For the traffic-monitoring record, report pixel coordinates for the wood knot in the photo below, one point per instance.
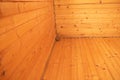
(75, 25)
(97, 65)
(100, 1)
(3, 73)
(67, 6)
(77, 30)
(61, 26)
(103, 68)
(59, 5)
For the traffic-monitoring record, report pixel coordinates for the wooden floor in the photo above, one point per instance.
(84, 59)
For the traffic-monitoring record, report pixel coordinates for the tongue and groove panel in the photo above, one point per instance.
(86, 18)
(26, 37)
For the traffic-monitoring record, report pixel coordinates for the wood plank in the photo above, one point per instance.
(80, 20)
(27, 36)
(75, 1)
(84, 59)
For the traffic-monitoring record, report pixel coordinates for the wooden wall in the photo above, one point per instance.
(80, 18)
(26, 38)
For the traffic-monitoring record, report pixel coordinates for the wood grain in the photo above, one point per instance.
(27, 36)
(85, 59)
(88, 18)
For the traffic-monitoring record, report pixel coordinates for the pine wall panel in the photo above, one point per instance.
(83, 18)
(26, 38)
